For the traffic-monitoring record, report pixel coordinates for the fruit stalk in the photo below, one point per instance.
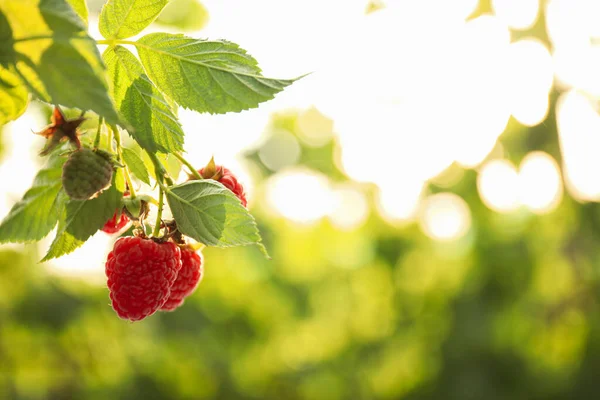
(185, 162)
(159, 213)
(120, 156)
(98, 132)
(159, 171)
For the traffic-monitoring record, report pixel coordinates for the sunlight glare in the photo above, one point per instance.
(571, 22)
(579, 136)
(498, 185)
(350, 208)
(399, 202)
(531, 81)
(457, 9)
(518, 14)
(540, 184)
(445, 217)
(221, 135)
(532, 65)
(87, 262)
(20, 162)
(530, 109)
(300, 195)
(475, 150)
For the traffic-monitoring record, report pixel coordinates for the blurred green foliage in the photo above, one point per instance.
(378, 312)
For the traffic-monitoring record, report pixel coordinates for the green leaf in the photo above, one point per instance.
(185, 15)
(136, 165)
(80, 8)
(156, 127)
(34, 216)
(46, 44)
(170, 162)
(82, 218)
(211, 76)
(14, 96)
(120, 19)
(210, 213)
(118, 181)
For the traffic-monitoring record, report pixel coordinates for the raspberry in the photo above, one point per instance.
(140, 274)
(86, 172)
(114, 225)
(228, 179)
(188, 279)
(117, 222)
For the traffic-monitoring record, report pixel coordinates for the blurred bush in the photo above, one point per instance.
(374, 311)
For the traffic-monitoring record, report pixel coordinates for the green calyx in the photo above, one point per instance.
(137, 208)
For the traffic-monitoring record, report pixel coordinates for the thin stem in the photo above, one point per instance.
(159, 214)
(185, 162)
(120, 156)
(41, 37)
(159, 171)
(128, 180)
(110, 139)
(98, 132)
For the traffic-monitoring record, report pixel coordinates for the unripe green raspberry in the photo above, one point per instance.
(86, 172)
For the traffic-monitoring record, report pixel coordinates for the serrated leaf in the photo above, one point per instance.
(156, 127)
(185, 15)
(81, 219)
(80, 7)
(14, 96)
(46, 44)
(34, 216)
(210, 213)
(206, 76)
(136, 165)
(120, 19)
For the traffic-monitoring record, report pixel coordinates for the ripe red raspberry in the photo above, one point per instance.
(115, 224)
(228, 179)
(140, 275)
(188, 279)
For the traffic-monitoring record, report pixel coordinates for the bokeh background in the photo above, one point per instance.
(428, 194)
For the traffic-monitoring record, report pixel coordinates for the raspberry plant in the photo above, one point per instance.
(91, 180)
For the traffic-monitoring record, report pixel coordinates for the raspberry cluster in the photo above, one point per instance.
(145, 276)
